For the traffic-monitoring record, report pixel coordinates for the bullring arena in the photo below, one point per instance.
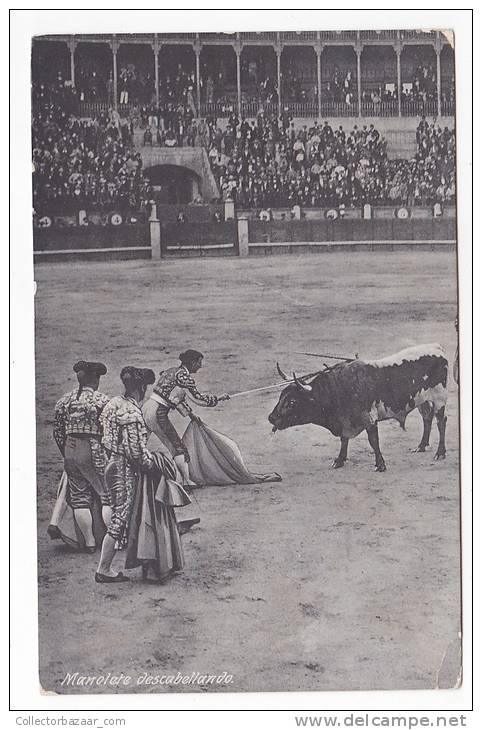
(340, 579)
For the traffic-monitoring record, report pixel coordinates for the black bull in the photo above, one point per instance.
(352, 397)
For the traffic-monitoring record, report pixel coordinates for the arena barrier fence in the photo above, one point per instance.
(435, 229)
(241, 237)
(199, 239)
(92, 243)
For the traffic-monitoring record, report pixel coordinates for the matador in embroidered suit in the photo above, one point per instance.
(124, 439)
(77, 432)
(170, 393)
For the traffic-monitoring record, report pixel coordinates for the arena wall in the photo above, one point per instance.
(92, 242)
(207, 238)
(435, 229)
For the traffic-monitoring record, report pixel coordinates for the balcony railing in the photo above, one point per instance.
(176, 37)
(448, 108)
(378, 35)
(259, 37)
(227, 37)
(338, 109)
(383, 109)
(304, 35)
(253, 108)
(135, 37)
(419, 108)
(301, 109)
(219, 110)
(93, 108)
(309, 109)
(338, 35)
(406, 35)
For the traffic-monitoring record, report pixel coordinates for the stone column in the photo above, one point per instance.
(398, 51)
(318, 51)
(197, 51)
(72, 43)
(156, 49)
(438, 50)
(358, 51)
(115, 47)
(279, 51)
(238, 49)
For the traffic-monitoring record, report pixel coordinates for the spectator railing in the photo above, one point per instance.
(216, 109)
(418, 35)
(176, 37)
(379, 35)
(93, 108)
(381, 109)
(419, 108)
(338, 109)
(297, 109)
(448, 108)
(301, 109)
(253, 108)
(336, 35)
(206, 37)
(260, 37)
(135, 37)
(305, 35)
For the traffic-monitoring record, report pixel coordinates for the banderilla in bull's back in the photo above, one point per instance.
(286, 379)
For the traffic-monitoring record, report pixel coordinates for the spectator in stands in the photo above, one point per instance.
(269, 163)
(148, 137)
(79, 162)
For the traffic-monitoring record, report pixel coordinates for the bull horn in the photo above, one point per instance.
(281, 373)
(301, 385)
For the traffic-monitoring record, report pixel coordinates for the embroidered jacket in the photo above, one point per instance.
(174, 384)
(125, 432)
(78, 415)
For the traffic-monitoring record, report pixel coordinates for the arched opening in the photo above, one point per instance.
(173, 184)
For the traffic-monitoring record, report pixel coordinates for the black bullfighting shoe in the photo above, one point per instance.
(185, 525)
(119, 578)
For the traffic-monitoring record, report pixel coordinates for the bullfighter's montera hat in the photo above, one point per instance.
(131, 375)
(90, 368)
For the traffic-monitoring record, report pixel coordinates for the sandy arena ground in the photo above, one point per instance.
(330, 580)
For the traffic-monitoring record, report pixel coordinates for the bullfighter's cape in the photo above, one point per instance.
(153, 539)
(63, 525)
(216, 459)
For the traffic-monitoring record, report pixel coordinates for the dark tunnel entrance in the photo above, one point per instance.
(174, 184)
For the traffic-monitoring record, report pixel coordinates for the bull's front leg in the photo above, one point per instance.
(341, 458)
(372, 432)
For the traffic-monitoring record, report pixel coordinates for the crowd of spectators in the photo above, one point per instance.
(136, 85)
(269, 163)
(342, 87)
(263, 163)
(79, 163)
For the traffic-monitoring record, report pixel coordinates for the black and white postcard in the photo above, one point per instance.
(247, 382)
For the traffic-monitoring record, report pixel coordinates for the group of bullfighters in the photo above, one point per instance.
(103, 440)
